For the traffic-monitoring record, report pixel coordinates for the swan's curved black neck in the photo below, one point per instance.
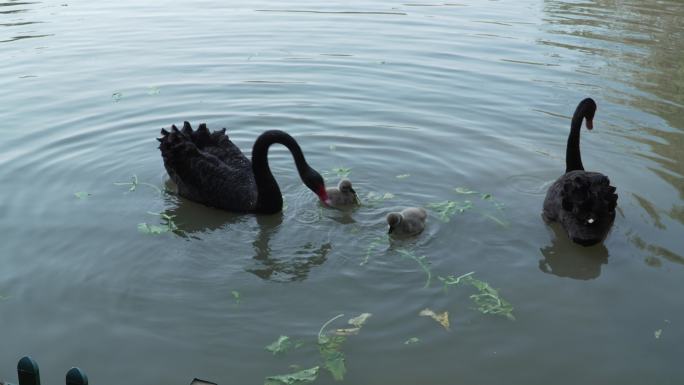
(269, 197)
(573, 158)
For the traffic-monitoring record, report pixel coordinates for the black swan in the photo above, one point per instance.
(208, 168)
(410, 221)
(583, 202)
(343, 194)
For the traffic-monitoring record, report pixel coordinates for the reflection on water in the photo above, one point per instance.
(655, 251)
(194, 219)
(565, 259)
(13, 16)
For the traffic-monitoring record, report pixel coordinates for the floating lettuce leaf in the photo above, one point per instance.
(167, 225)
(82, 195)
(495, 219)
(422, 262)
(116, 96)
(281, 345)
(446, 209)
(487, 300)
(357, 322)
(342, 172)
(153, 91)
(146, 228)
(411, 341)
(373, 198)
(403, 176)
(464, 190)
(371, 248)
(301, 377)
(658, 333)
(330, 348)
(442, 318)
(133, 184)
(236, 296)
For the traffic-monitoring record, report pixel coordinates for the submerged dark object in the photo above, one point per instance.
(208, 168)
(583, 202)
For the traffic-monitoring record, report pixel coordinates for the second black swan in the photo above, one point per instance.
(210, 169)
(583, 202)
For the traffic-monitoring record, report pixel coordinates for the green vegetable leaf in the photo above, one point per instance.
(487, 300)
(301, 377)
(422, 262)
(464, 190)
(281, 345)
(371, 248)
(446, 209)
(236, 296)
(151, 229)
(82, 195)
(342, 172)
(403, 176)
(333, 358)
(360, 319)
(411, 341)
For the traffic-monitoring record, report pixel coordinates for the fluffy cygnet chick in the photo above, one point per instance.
(410, 221)
(342, 195)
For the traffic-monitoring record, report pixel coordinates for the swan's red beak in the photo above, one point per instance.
(323, 196)
(590, 124)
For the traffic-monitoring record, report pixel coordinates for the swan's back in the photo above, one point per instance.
(208, 168)
(584, 203)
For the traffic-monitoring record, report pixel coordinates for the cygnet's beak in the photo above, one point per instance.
(391, 229)
(356, 196)
(590, 124)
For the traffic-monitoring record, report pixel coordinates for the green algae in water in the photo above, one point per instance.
(411, 341)
(301, 377)
(487, 300)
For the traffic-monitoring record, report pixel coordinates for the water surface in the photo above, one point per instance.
(415, 99)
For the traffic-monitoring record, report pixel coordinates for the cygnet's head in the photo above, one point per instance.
(345, 186)
(393, 219)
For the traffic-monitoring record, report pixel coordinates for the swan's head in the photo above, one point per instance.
(587, 107)
(345, 186)
(314, 181)
(393, 220)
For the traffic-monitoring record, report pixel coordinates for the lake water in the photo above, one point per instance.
(412, 101)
